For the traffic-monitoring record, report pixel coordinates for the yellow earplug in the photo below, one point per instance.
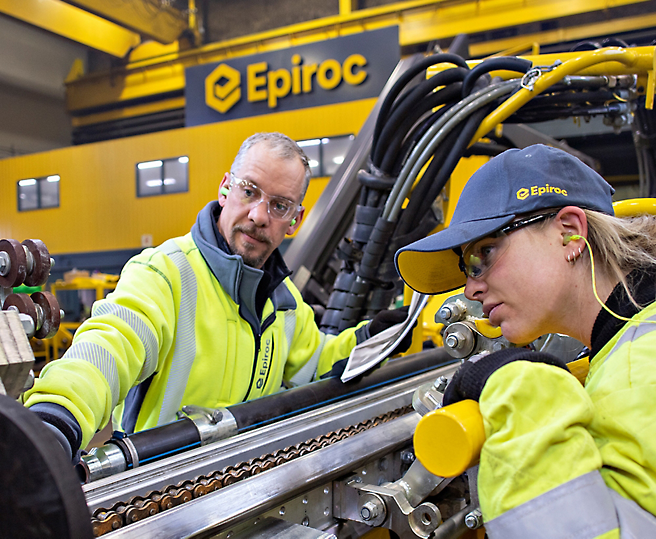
(567, 238)
(224, 191)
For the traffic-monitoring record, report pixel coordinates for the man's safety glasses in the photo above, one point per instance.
(479, 256)
(250, 194)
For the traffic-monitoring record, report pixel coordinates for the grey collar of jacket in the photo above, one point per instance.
(239, 281)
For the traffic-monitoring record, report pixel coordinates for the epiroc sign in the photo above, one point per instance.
(333, 71)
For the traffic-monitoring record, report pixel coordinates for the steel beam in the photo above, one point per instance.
(220, 510)
(73, 23)
(419, 21)
(163, 24)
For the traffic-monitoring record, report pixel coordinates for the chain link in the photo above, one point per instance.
(137, 508)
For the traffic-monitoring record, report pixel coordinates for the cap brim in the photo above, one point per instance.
(430, 266)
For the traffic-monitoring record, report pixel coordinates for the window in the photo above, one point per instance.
(38, 193)
(163, 176)
(326, 154)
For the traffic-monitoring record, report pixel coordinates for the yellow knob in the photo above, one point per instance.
(486, 329)
(448, 440)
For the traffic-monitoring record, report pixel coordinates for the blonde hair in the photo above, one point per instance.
(621, 245)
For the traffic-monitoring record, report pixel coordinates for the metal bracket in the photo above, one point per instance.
(385, 506)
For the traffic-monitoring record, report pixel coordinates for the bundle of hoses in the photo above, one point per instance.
(424, 127)
(416, 124)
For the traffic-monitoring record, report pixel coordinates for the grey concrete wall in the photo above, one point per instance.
(227, 19)
(33, 67)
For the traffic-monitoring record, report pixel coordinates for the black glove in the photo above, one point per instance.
(470, 378)
(62, 424)
(386, 319)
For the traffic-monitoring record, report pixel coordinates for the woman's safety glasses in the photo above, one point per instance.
(250, 194)
(479, 256)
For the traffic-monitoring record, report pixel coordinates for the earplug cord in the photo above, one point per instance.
(594, 285)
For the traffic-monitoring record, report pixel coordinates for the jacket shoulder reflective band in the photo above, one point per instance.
(584, 508)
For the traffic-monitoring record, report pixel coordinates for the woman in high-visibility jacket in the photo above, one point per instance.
(535, 240)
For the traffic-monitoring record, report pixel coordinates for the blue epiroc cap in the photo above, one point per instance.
(513, 183)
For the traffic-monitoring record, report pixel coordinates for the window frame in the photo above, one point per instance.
(162, 185)
(39, 198)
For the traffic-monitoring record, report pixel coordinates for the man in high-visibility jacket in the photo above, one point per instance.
(209, 319)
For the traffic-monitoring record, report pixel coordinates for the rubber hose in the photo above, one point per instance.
(265, 410)
(162, 441)
(452, 159)
(420, 92)
(407, 219)
(434, 100)
(519, 65)
(418, 131)
(405, 78)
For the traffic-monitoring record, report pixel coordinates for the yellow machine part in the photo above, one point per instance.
(635, 206)
(448, 440)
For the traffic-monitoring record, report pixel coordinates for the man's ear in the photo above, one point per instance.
(572, 222)
(224, 189)
(296, 222)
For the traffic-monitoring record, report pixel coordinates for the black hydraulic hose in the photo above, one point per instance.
(419, 93)
(416, 134)
(471, 125)
(569, 98)
(409, 216)
(511, 63)
(405, 78)
(491, 149)
(159, 442)
(265, 410)
(435, 99)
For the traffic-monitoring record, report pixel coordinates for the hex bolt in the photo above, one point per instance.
(407, 457)
(217, 416)
(451, 312)
(474, 519)
(445, 313)
(455, 340)
(371, 509)
(441, 383)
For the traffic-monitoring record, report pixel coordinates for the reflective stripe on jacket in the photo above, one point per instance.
(550, 441)
(170, 335)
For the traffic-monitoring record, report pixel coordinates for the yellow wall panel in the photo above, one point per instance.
(99, 208)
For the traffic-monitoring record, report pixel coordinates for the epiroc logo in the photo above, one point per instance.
(346, 68)
(222, 88)
(272, 85)
(537, 190)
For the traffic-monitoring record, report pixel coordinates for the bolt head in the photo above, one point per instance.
(445, 313)
(452, 341)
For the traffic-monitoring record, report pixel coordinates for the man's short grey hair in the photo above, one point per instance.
(282, 146)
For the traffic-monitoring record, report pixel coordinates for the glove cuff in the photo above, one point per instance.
(60, 418)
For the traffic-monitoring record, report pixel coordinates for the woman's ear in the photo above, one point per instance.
(572, 224)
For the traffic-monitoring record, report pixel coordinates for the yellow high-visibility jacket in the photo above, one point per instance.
(561, 460)
(184, 327)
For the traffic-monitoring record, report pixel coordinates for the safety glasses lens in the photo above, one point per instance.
(479, 256)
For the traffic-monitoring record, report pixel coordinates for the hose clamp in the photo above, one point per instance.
(532, 75)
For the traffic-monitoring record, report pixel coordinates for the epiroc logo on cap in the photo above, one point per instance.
(538, 191)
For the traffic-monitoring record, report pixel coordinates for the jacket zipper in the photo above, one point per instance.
(257, 337)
